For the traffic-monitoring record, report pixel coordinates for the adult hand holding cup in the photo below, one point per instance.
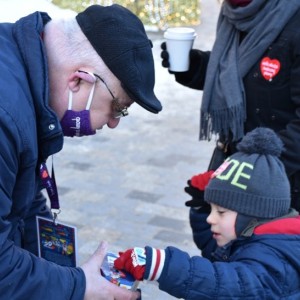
(179, 41)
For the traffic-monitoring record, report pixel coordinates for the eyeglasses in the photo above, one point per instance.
(118, 110)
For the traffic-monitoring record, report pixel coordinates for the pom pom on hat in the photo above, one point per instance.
(253, 181)
(261, 141)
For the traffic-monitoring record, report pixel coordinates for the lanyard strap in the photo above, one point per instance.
(49, 184)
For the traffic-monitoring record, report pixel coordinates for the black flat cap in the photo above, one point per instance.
(120, 39)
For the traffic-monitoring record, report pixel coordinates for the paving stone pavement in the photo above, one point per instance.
(126, 185)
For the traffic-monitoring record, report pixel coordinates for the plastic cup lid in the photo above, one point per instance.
(180, 33)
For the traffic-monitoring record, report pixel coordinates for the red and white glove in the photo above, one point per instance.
(142, 263)
(132, 261)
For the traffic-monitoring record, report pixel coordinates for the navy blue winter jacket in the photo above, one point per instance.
(265, 266)
(29, 133)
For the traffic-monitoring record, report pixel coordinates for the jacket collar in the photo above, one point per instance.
(267, 226)
(28, 34)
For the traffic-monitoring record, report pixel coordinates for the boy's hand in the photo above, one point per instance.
(132, 261)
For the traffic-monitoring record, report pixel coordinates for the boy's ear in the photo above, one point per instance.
(77, 76)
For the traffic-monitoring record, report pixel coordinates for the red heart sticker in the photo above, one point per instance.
(269, 68)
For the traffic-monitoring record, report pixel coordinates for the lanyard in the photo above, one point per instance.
(49, 184)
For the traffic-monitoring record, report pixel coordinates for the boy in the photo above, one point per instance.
(257, 234)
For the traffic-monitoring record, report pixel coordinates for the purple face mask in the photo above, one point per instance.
(78, 123)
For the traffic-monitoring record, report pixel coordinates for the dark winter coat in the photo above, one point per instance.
(263, 266)
(29, 133)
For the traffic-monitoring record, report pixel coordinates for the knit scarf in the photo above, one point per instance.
(223, 109)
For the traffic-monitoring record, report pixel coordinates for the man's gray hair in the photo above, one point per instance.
(72, 45)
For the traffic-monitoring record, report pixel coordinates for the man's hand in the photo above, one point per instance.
(97, 287)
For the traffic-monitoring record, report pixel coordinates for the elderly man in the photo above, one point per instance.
(61, 78)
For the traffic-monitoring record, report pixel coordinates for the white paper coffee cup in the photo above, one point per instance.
(179, 42)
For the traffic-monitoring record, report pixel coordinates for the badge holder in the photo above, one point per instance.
(57, 242)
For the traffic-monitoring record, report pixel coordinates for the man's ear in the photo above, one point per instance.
(76, 77)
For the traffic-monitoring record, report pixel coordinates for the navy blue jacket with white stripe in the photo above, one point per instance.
(263, 266)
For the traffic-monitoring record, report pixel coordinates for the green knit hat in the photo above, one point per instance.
(253, 181)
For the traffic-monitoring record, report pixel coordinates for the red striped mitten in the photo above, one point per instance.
(132, 261)
(142, 263)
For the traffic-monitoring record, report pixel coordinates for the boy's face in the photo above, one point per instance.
(222, 221)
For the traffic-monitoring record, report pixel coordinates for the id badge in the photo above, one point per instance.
(57, 242)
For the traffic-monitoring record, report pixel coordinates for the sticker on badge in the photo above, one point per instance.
(57, 242)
